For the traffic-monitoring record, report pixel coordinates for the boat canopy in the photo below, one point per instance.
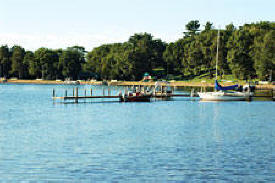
(219, 87)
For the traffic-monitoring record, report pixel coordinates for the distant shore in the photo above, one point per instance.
(130, 83)
(111, 83)
(47, 82)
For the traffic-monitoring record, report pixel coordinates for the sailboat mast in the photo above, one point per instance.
(217, 55)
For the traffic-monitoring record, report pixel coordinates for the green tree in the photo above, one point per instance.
(70, 62)
(245, 52)
(46, 63)
(17, 66)
(240, 62)
(208, 46)
(172, 58)
(192, 28)
(31, 64)
(208, 26)
(264, 55)
(146, 54)
(5, 63)
(95, 60)
(230, 28)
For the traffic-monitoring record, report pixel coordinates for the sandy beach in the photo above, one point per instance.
(130, 83)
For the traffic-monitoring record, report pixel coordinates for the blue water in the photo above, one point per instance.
(161, 141)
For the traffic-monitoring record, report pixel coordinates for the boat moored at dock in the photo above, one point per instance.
(136, 97)
(223, 96)
(224, 93)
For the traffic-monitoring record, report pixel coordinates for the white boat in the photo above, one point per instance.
(222, 93)
(70, 82)
(223, 96)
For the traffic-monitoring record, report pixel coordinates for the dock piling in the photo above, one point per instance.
(76, 95)
(126, 90)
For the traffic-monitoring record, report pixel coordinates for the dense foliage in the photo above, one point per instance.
(246, 52)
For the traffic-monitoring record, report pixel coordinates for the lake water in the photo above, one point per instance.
(161, 141)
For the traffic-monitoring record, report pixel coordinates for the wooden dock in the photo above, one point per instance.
(76, 96)
(117, 96)
(85, 97)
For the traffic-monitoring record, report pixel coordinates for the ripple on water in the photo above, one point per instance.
(165, 141)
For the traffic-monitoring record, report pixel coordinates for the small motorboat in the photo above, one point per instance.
(136, 97)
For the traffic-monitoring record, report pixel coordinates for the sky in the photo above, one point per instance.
(90, 23)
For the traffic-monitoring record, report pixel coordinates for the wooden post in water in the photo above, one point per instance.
(85, 92)
(73, 92)
(66, 93)
(91, 91)
(76, 95)
(125, 91)
(53, 93)
(172, 88)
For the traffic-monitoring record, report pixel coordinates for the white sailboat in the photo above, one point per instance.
(222, 93)
(223, 96)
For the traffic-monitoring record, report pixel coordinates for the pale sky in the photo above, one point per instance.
(90, 23)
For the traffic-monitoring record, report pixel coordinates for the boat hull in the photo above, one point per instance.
(223, 96)
(136, 98)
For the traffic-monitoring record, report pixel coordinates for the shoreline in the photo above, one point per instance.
(131, 83)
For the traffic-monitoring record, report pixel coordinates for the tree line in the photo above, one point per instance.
(246, 52)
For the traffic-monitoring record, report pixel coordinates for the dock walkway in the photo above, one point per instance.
(120, 96)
